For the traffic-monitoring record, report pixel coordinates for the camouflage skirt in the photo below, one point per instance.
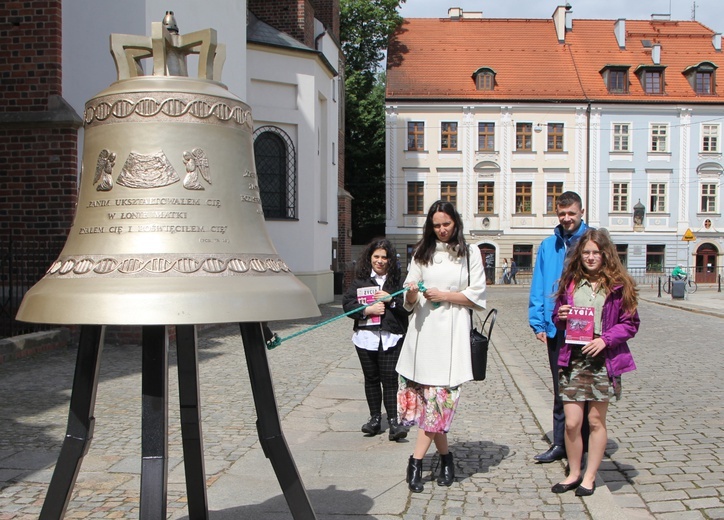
(586, 379)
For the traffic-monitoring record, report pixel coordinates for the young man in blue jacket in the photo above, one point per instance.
(546, 272)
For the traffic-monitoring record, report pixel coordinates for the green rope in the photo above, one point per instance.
(278, 341)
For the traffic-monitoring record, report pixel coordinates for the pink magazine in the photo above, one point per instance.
(366, 295)
(579, 325)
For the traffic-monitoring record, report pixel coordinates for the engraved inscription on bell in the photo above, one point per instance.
(147, 171)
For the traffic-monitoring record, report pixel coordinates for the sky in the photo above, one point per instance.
(708, 12)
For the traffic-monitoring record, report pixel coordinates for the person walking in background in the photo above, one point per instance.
(593, 280)
(504, 278)
(546, 271)
(378, 331)
(513, 271)
(435, 358)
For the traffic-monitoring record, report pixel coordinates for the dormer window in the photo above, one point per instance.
(616, 78)
(651, 78)
(484, 78)
(702, 78)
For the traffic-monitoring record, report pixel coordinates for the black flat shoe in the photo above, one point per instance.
(562, 488)
(555, 453)
(373, 426)
(585, 492)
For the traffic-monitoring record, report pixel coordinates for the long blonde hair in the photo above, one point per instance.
(611, 274)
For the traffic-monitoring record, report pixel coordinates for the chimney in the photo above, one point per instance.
(455, 13)
(559, 21)
(656, 54)
(619, 29)
(716, 42)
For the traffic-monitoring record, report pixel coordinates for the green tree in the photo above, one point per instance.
(365, 27)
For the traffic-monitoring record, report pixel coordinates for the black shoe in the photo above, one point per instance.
(447, 470)
(397, 431)
(414, 475)
(373, 426)
(585, 492)
(562, 488)
(555, 452)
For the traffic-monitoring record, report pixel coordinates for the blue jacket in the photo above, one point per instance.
(546, 272)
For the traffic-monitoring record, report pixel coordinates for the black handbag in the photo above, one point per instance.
(479, 340)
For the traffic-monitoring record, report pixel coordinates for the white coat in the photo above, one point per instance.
(436, 351)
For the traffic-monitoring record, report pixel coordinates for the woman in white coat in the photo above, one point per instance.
(435, 357)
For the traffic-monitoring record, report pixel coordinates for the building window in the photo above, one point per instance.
(449, 192)
(523, 197)
(619, 203)
(617, 81)
(653, 81)
(486, 137)
(276, 170)
(485, 81)
(622, 250)
(523, 257)
(704, 83)
(655, 258)
(659, 138)
(621, 141)
(449, 136)
(710, 138)
(657, 193)
(415, 197)
(555, 137)
(553, 191)
(486, 199)
(524, 137)
(708, 198)
(415, 136)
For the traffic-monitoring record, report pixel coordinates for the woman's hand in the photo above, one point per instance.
(594, 347)
(563, 311)
(382, 296)
(411, 294)
(376, 309)
(435, 295)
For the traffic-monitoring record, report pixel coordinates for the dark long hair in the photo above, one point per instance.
(364, 262)
(425, 248)
(612, 271)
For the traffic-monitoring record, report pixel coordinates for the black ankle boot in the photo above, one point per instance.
(447, 470)
(397, 431)
(414, 475)
(373, 426)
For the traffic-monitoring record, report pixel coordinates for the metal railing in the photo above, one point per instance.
(22, 264)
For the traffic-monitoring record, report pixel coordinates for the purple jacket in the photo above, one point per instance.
(617, 327)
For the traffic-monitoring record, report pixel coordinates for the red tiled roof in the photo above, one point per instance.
(434, 59)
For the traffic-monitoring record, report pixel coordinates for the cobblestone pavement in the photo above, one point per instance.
(664, 457)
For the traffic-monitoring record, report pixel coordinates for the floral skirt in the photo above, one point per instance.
(430, 407)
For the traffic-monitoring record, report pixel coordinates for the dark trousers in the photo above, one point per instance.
(378, 369)
(559, 418)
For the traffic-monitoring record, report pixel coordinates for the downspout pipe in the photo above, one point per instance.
(588, 154)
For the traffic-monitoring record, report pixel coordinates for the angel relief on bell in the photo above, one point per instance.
(104, 168)
(197, 163)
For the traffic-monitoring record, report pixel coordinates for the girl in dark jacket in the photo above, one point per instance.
(379, 330)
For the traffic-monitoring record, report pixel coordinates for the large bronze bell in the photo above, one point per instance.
(169, 226)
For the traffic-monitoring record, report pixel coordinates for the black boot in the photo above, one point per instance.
(447, 470)
(373, 426)
(397, 431)
(414, 475)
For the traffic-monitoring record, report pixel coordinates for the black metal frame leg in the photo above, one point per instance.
(79, 432)
(154, 422)
(191, 434)
(268, 426)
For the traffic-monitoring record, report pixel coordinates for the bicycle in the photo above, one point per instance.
(689, 286)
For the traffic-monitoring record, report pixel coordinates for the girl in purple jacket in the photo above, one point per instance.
(594, 282)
